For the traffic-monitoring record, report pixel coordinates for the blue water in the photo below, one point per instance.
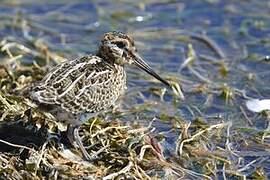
(233, 25)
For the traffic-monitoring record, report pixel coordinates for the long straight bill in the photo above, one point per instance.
(143, 65)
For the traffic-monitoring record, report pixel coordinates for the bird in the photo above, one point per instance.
(76, 90)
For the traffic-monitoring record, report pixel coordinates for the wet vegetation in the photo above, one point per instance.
(218, 51)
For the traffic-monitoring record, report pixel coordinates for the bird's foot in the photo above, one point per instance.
(76, 141)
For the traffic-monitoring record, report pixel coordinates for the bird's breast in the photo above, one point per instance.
(82, 85)
(104, 91)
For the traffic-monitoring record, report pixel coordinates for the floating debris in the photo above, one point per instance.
(203, 137)
(177, 90)
(257, 105)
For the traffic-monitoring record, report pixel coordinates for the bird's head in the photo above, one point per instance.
(120, 49)
(116, 47)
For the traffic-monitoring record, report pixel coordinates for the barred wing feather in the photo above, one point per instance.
(87, 84)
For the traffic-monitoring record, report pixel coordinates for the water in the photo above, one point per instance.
(160, 29)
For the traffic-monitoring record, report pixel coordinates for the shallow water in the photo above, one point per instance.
(162, 30)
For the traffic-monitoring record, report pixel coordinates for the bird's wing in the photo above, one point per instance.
(77, 86)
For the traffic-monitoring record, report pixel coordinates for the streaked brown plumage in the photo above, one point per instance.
(84, 85)
(81, 88)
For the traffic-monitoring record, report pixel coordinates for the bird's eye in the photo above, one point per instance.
(120, 44)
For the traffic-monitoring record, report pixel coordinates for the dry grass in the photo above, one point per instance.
(33, 147)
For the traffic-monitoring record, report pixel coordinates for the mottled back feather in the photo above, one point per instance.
(85, 85)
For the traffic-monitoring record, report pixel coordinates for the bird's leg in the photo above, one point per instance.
(118, 106)
(75, 139)
(70, 135)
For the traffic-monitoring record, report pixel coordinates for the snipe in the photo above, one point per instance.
(79, 89)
